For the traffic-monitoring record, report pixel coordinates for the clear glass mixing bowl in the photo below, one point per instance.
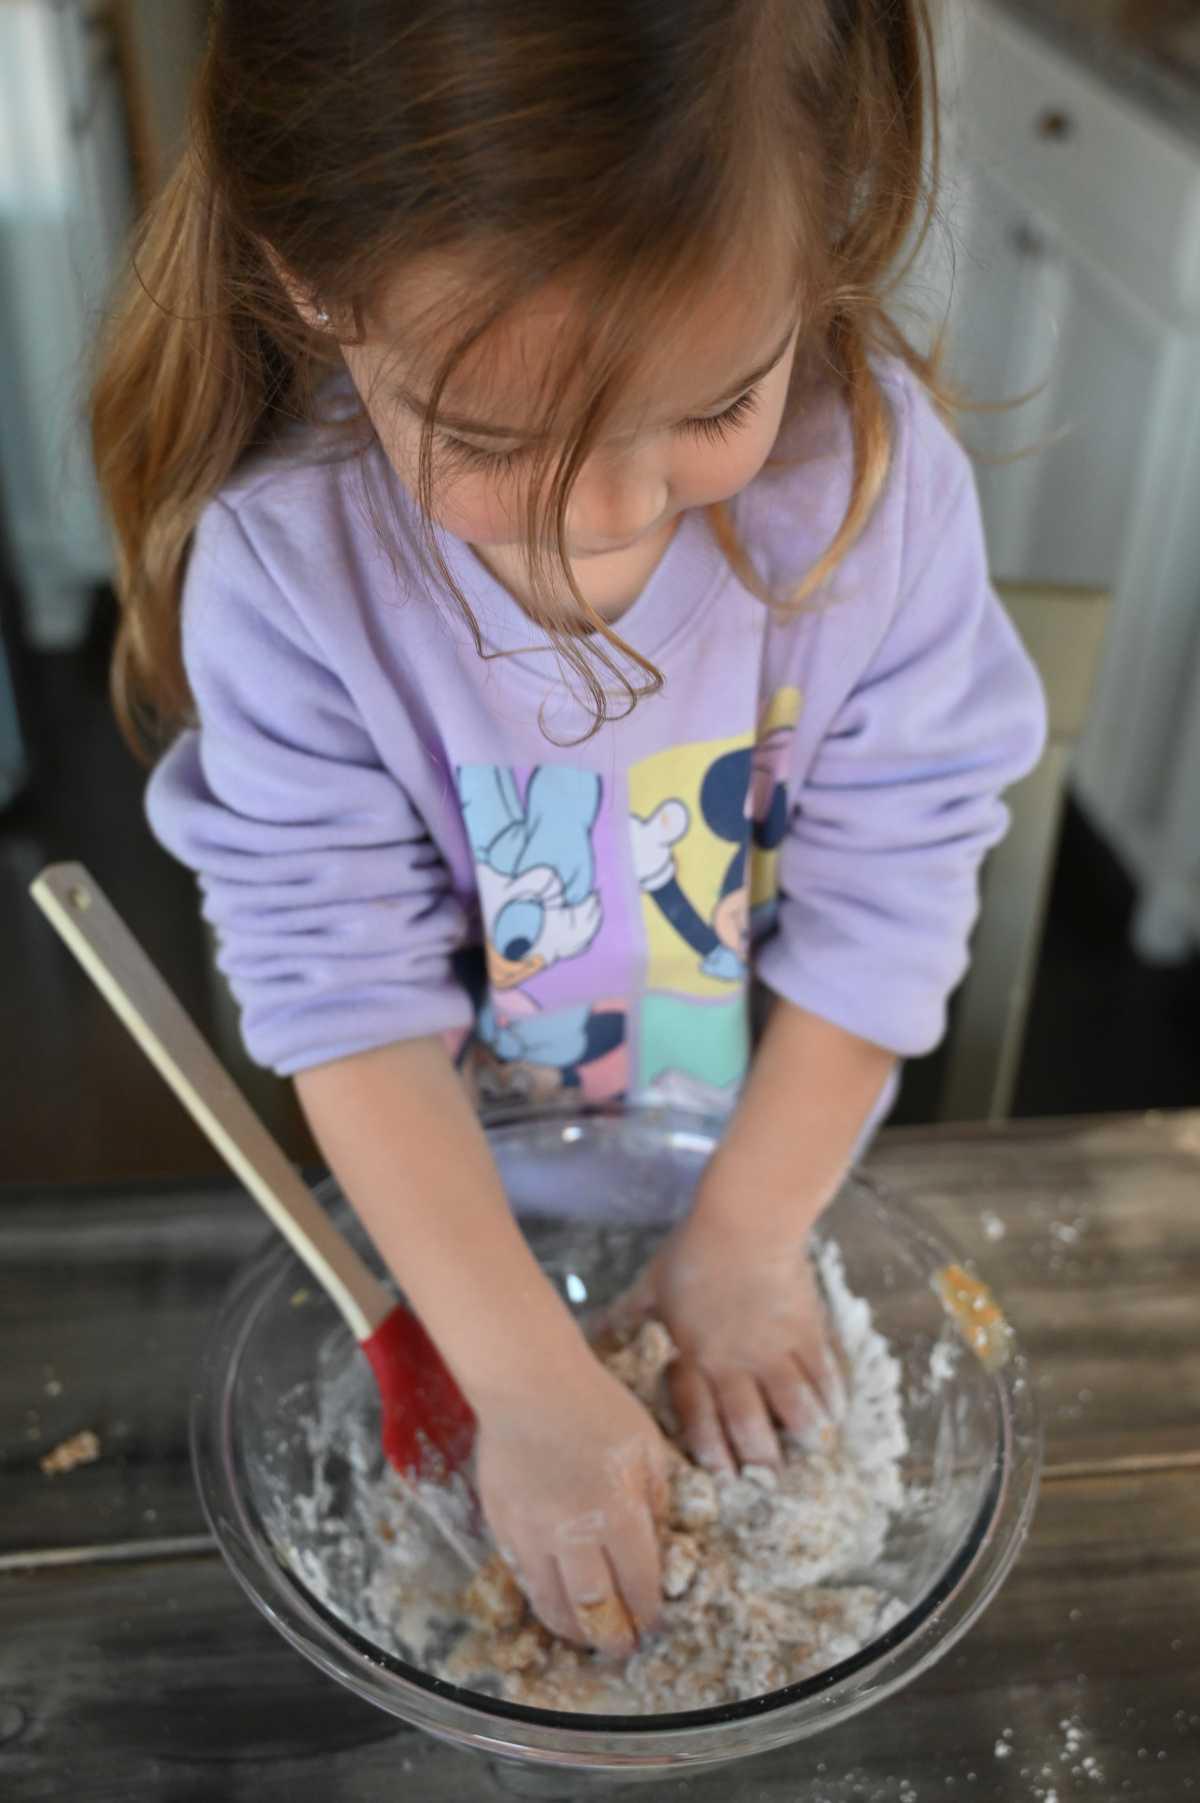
(595, 1192)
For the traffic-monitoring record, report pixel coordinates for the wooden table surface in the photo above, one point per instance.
(131, 1667)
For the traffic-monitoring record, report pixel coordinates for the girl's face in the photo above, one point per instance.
(700, 431)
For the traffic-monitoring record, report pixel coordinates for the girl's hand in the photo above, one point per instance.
(572, 1480)
(753, 1341)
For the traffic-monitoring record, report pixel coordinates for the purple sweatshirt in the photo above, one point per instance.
(390, 845)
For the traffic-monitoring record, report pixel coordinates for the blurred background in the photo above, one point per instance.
(1065, 266)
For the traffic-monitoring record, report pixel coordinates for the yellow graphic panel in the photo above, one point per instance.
(780, 714)
(690, 836)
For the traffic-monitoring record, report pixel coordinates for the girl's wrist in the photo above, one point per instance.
(517, 1351)
(782, 1216)
(792, 1138)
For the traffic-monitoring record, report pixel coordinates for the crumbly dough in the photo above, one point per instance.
(746, 1564)
(768, 1577)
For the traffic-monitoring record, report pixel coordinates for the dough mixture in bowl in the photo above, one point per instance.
(768, 1575)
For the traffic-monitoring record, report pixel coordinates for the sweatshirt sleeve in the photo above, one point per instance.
(880, 864)
(334, 912)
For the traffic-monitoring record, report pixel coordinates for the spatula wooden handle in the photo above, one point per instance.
(70, 898)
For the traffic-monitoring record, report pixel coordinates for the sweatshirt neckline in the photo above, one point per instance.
(680, 588)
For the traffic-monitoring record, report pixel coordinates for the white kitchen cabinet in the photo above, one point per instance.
(1075, 224)
(65, 206)
(76, 78)
(1032, 317)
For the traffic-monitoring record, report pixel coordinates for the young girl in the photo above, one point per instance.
(539, 543)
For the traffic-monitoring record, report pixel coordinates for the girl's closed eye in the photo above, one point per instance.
(713, 427)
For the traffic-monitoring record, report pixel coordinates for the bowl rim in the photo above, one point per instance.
(917, 1640)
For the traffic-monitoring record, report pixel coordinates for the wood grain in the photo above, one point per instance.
(160, 1681)
(1089, 1233)
(105, 1299)
(143, 1672)
(109, 1293)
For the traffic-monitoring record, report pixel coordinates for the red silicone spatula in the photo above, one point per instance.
(428, 1427)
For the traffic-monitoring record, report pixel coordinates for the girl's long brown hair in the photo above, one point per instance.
(637, 153)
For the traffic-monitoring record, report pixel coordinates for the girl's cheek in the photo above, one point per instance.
(714, 473)
(472, 508)
(468, 506)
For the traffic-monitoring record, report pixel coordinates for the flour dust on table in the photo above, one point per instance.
(768, 1574)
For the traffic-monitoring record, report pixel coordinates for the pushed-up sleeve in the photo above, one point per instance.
(880, 864)
(334, 912)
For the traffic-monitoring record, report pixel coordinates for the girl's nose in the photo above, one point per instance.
(615, 500)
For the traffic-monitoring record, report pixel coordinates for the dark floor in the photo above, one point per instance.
(78, 1101)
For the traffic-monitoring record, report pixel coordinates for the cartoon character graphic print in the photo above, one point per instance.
(577, 954)
(532, 841)
(706, 822)
(727, 794)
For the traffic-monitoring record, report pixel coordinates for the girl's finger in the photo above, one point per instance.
(699, 1417)
(822, 1370)
(543, 1585)
(820, 1352)
(655, 1480)
(746, 1421)
(793, 1400)
(637, 1567)
(834, 1387)
(601, 1619)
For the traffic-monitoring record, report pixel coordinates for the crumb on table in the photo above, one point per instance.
(81, 1449)
(976, 1314)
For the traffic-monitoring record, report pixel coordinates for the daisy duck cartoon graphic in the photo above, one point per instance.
(535, 866)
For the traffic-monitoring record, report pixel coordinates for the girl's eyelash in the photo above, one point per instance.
(472, 457)
(718, 425)
(714, 427)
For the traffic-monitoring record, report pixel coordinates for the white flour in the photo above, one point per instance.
(769, 1576)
